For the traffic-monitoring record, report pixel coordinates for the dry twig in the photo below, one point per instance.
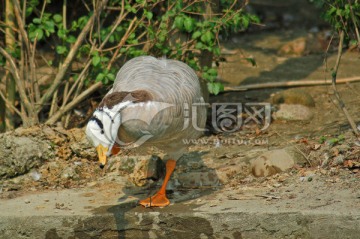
(289, 84)
(337, 95)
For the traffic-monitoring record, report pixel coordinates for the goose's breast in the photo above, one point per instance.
(157, 120)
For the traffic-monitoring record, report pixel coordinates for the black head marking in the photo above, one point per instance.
(98, 122)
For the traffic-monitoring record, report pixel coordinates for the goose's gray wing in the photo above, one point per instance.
(175, 91)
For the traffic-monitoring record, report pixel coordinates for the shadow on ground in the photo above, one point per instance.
(192, 179)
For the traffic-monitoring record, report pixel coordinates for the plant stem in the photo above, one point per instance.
(288, 84)
(15, 73)
(10, 83)
(73, 103)
(337, 95)
(21, 83)
(65, 66)
(355, 24)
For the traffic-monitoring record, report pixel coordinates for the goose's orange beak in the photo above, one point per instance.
(101, 150)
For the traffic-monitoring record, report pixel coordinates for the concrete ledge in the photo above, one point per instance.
(81, 214)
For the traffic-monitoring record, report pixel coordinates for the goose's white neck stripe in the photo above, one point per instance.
(103, 127)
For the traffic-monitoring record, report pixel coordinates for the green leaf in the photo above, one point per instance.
(123, 50)
(74, 25)
(216, 51)
(71, 39)
(353, 42)
(215, 87)
(165, 50)
(96, 60)
(199, 46)
(179, 22)
(49, 26)
(245, 21)
(29, 11)
(100, 77)
(251, 60)
(322, 139)
(38, 34)
(61, 50)
(207, 37)
(104, 59)
(212, 72)
(37, 20)
(111, 76)
(131, 36)
(189, 24)
(149, 15)
(196, 35)
(205, 76)
(57, 18)
(112, 39)
(61, 33)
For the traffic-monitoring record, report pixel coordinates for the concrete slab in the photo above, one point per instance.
(110, 211)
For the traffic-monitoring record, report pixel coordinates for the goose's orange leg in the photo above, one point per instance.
(160, 199)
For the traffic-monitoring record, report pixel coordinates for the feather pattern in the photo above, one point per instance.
(174, 89)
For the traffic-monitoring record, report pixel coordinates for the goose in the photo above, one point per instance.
(153, 102)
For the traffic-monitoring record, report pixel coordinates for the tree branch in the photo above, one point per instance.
(73, 103)
(63, 69)
(9, 105)
(15, 73)
(355, 25)
(337, 95)
(21, 25)
(288, 84)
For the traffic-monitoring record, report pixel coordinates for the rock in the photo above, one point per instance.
(197, 179)
(147, 167)
(296, 47)
(293, 97)
(312, 43)
(92, 184)
(342, 148)
(69, 173)
(226, 173)
(35, 175)
(293, 113)
(155, 169)
(19, 154)
(275, 161)
(124, 164)
(339, 160)
(81, 145)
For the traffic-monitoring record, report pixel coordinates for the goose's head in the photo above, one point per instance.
(102, 129)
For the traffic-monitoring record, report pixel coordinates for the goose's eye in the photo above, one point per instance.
(102, 131)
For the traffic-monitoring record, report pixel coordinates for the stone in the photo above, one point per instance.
(69, 173)
(312, 43)
(293, 97)
(293, 113)
(197, 179)
(296, 47)
(147, 167)
(275, 161)
(81, 146)
(19, 154)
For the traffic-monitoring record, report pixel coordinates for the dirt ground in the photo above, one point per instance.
(220, 162)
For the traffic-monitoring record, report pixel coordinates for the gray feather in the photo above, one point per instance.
(168, 81)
